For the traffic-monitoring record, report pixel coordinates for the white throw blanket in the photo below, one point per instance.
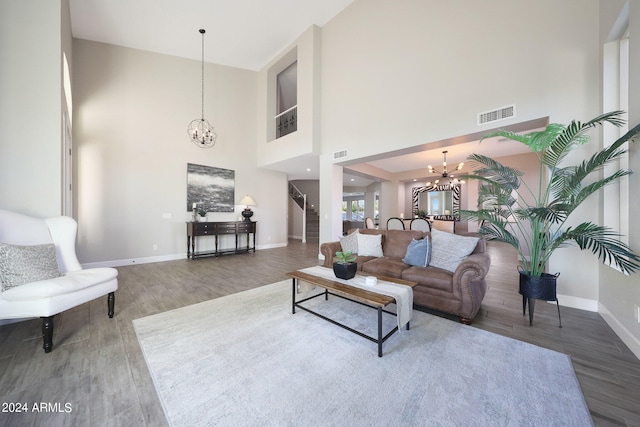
(403, 294)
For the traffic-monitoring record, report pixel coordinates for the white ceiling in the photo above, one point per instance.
(247, 34)
(419, 162)
(239, 33)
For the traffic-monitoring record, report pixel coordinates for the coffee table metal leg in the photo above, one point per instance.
(379, 331)
(293, 296)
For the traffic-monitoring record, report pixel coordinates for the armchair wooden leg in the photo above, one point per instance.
(111, 299)
(47, 333)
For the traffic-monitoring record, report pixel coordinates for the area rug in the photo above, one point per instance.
(246, 360)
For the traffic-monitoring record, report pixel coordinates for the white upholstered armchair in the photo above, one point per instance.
(40, 273)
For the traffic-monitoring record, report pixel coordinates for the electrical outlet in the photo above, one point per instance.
(155, 247)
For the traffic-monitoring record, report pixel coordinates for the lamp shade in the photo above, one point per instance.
(247, 201)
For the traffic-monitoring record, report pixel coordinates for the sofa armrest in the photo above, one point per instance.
(473, 268)
(328, 250)
(470, 284)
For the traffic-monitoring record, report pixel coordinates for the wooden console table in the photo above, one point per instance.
(196, 229)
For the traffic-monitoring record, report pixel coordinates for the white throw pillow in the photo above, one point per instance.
(449, 250)
(350, 242)
(370, 245)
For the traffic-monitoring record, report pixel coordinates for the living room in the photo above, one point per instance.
(385, 77)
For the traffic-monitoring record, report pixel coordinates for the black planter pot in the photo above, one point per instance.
(538, 287)
(345, 271)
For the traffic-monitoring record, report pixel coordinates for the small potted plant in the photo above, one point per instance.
(203, 215)
(344, 265)
(420, 213)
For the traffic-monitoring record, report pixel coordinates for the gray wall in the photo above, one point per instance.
(132, 109)
(619, 295)
(32, 39)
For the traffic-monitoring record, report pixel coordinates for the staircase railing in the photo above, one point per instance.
(301, 200)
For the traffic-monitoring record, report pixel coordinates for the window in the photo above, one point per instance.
(353, 208)
(616, 97)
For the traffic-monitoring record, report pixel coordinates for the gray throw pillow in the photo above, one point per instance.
(350, 242)
(449, 249)
(25, 264)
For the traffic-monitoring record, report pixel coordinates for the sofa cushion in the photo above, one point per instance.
(20, 265)
(67, 284)
(396, 242)
(418, 253)
(431, 277)
(385, 266)
(449, 250)
(370, 245)
(350, 242)
(360, 260)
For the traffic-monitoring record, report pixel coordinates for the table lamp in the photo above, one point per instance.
(247, 213)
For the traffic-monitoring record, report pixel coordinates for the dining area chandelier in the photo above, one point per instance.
(445, 173)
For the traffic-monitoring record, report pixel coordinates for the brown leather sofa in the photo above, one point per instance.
(459, 293)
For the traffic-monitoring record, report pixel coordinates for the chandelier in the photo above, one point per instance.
(445, 173)
(200, 131)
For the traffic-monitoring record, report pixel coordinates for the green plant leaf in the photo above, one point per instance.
(603, 242)
(532, 216)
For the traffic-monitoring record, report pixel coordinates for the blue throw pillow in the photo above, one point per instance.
(418, 253)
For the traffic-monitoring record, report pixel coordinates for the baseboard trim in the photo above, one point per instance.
(272, 246)
(627, 337)
(162, 258)
(134, 261)
(577, 302)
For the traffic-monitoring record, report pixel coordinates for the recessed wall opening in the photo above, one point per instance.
(282, 96)
(287, 91)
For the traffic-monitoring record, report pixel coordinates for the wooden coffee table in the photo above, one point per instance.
(365, 297)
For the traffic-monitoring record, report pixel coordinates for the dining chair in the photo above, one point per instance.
(368, 223)
(395, 223)
(420, 224)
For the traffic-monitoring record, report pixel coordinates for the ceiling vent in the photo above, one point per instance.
(495, 115)
(339, 154)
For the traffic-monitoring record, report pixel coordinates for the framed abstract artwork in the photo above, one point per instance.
(211, 188)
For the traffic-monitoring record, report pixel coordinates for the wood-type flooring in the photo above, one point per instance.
(96, 374)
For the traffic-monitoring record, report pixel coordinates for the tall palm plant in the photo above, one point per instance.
(539, 227)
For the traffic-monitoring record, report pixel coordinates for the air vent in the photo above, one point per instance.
(339, 154)
(495, 115)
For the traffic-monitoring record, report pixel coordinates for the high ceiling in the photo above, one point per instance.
(246, 34)
(241, 33)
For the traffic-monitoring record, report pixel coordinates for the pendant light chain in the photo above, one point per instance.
(200, 131)
(202, 74)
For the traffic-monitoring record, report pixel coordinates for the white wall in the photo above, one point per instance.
(304, 141)
(619, 295)
(31, 44)
(132, 109)
(400, 74)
